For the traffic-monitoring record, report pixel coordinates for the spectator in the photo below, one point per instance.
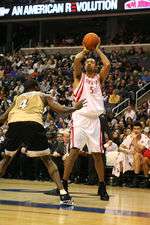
(114, 98)
(146, 76)
(111, 151)
(130, 113)
(130, 153)
(147, 131)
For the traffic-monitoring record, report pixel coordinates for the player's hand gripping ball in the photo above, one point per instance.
(90, 41)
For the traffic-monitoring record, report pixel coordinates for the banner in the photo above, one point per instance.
(73, 8)
(137, 4)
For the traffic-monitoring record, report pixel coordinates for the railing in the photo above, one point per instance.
(117, 110)
(67, 50)
(120, 108)
(141, 93)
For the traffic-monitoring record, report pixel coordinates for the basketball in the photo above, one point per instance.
(91, 40)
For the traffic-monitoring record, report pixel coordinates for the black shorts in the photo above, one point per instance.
(32, 135)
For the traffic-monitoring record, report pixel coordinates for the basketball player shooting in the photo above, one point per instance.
(86, 126)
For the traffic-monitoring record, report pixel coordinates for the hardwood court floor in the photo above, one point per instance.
(27, 203)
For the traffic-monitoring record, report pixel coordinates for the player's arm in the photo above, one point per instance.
(123, 148)
(55, 106)
(4, 116)
(77, 65)
(106, 65)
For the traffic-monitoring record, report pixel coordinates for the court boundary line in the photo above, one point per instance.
(76, 208)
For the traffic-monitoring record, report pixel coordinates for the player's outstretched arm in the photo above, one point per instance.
(106, 64)
(55, 106)
(77, 65)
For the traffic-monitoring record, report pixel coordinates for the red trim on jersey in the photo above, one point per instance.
(79, 95)
(77, 98)
(81, 82)
(100, 140)
(72, 135)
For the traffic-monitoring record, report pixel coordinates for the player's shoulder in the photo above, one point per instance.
(144, 137)
(32, 93)
(128, 138)
(78, 80)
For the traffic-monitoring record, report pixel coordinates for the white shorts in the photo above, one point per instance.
(86, 131)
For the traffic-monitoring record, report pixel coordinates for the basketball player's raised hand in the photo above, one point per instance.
(85, 50)
(97, 47)
(80, 104)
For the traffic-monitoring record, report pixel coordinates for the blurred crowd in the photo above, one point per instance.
(129, 72)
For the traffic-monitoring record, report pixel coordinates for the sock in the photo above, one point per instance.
(63, 192)
(101, 183)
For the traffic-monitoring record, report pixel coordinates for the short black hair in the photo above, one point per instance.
(30, 85)
(137, 124)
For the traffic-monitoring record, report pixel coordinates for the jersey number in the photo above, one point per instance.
(91, 89)
(23, 104)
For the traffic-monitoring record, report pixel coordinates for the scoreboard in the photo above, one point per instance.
(70, 8)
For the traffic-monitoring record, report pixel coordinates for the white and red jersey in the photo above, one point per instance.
(89, 89)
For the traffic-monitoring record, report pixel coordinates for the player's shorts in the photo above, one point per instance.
(32, 135)
(86, 131)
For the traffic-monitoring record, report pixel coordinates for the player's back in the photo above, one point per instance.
(28, 107)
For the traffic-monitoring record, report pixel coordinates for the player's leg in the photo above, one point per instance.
(68, 166)
(37, 146)
(77, 142)
(54, 174)
(146, 165)
(95, 146)
(99, 166)
(12, 143)
(146, 169)
(137, 162)
(4, 163)
(137, 165)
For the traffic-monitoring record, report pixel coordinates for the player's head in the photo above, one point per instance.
(137, 127)
(90, 66)
(31, 85)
